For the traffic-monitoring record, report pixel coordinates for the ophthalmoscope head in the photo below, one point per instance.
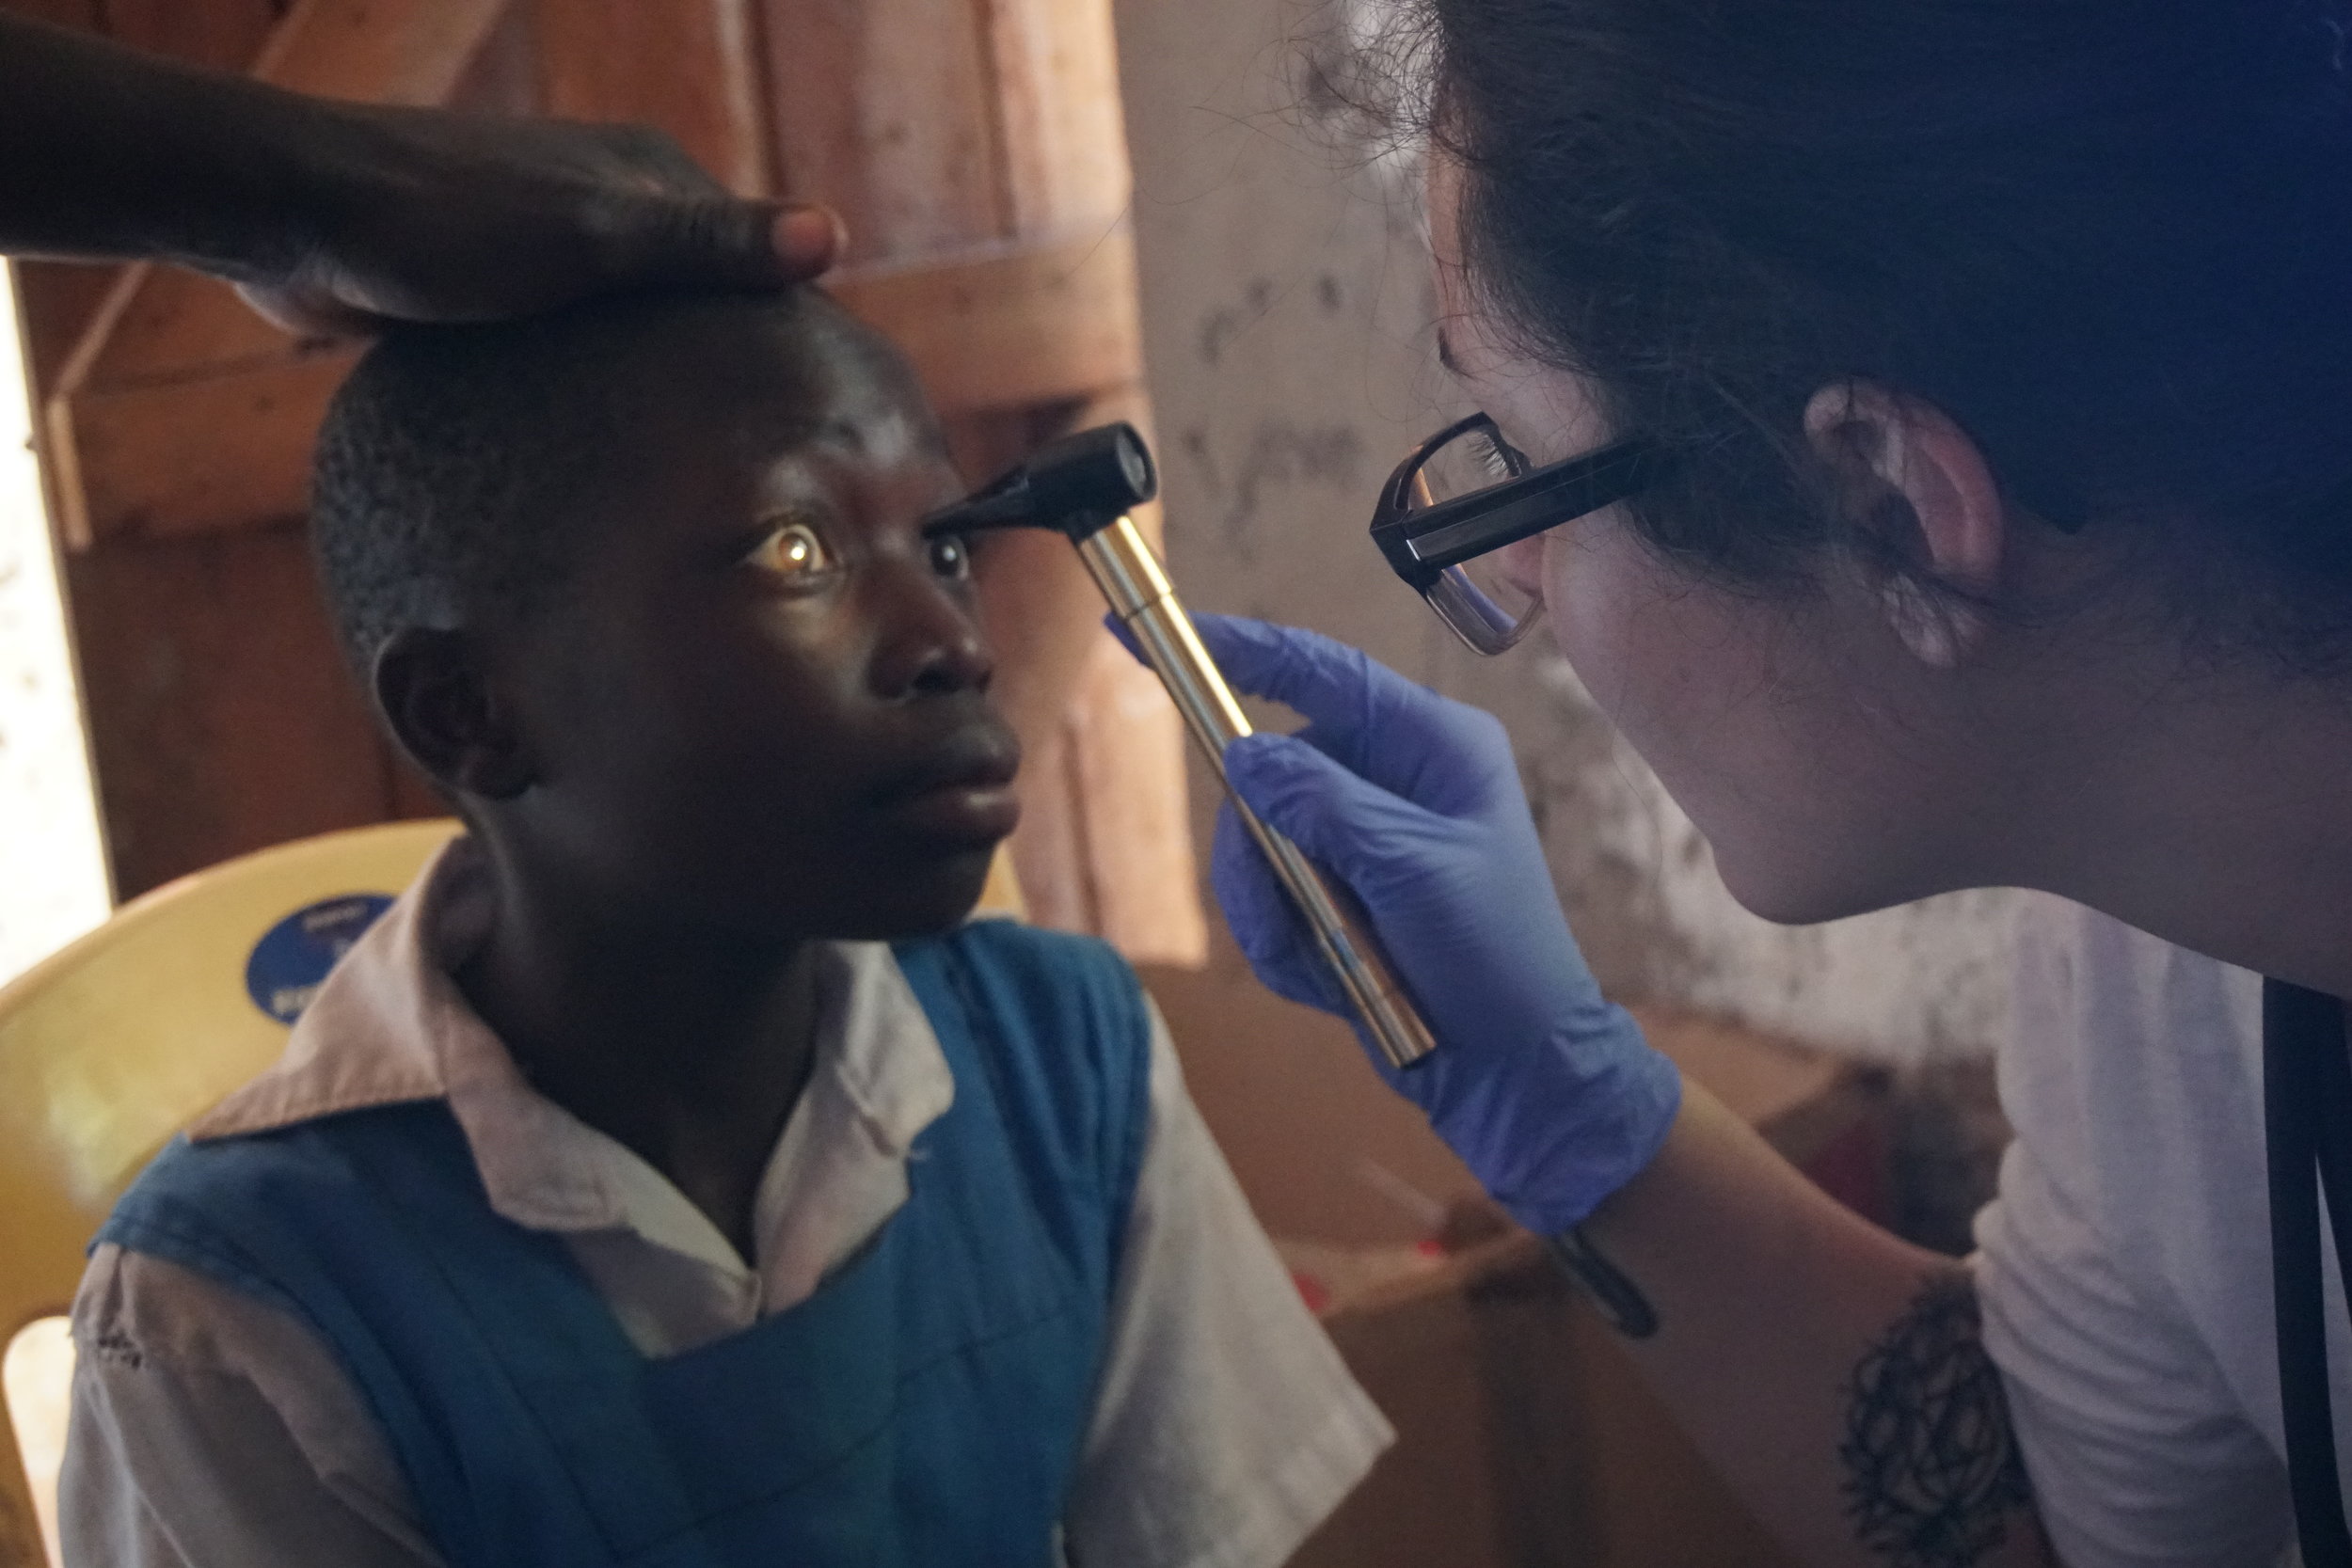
(1078, 485)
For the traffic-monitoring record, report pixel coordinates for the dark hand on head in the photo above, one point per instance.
(455, 218)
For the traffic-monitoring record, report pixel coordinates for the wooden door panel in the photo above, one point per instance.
(886, 109)
(226, 34)
(221, 718)
(690, 67)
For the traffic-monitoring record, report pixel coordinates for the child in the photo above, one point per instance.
(671, 1176)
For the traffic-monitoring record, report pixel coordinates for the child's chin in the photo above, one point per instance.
(925, 901)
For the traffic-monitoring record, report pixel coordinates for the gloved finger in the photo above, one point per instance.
(1124, 637)
(1395, 732)
(1346, 823)
(1264, 923)
(1467, 769)
(714, 242)
(1300, 669)
(1444, 756)
(1325, 680)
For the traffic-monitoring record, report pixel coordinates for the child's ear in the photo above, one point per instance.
(435, 690)
(1907, 473)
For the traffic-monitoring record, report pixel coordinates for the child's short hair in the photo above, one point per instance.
(457, 467)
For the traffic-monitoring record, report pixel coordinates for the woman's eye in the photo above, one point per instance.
(951, 558)
(793, 550)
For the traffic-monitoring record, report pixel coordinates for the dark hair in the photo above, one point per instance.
(458, 469)
(2112, 238)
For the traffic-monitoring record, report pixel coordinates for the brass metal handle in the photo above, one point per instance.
(1133, 581)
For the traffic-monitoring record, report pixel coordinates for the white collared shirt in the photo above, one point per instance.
(211, 1429)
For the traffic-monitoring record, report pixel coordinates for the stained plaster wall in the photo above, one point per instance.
(1287, 313)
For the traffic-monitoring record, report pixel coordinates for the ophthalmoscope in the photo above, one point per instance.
(1083, 487)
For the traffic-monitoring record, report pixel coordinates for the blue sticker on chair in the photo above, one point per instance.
(291, 961)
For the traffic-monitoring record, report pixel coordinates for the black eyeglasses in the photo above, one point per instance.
(1466, 493)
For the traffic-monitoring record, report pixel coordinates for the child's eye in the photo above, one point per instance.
(793, 550)
(951, 558)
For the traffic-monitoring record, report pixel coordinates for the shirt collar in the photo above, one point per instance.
(390, 1026)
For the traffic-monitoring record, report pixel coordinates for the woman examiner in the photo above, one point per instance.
(1924, 426)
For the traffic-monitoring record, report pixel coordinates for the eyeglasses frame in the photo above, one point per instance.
(1421, 544)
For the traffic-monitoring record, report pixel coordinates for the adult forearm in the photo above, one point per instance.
(107, 152)
(1831, 1371)
(1835, 1374)
(344, 216)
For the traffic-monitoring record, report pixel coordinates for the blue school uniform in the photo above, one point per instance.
(926, 1407)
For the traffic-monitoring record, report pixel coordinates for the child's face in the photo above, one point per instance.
(762, 705)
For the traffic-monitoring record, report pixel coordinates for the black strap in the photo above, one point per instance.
(2306, 1104)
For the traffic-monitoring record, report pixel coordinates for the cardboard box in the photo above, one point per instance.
(1525, 1436)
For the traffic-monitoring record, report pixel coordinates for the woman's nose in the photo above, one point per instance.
(931, 639)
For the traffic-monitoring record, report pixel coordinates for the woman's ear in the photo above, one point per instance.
(434, 690)
(1905, 471)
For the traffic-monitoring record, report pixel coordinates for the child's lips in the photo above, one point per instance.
(973, 814)
(964, 795)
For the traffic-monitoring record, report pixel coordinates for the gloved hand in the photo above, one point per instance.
(1547, 1090)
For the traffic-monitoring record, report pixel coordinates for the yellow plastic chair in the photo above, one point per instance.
(113, 1044)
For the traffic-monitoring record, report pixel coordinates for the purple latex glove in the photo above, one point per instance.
(1545, 1089)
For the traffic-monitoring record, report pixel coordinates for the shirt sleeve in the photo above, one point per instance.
(1226, 1427)
(2137, 1448)
(212, 1431)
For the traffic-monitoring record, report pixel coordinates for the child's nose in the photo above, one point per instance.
(931, 643)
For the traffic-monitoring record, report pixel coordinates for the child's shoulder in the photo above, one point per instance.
(1057, 1022)
(328, 1160)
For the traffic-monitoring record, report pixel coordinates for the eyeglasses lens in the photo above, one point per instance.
(1490, 601)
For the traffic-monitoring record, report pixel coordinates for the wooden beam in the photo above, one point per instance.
(411, 52)
(1012, 326)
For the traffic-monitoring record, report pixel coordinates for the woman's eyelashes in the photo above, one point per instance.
(1499, 457)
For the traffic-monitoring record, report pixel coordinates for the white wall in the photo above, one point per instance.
(1287, 314)
(52, 870)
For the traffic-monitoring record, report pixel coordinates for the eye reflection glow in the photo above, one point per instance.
(793, 550)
